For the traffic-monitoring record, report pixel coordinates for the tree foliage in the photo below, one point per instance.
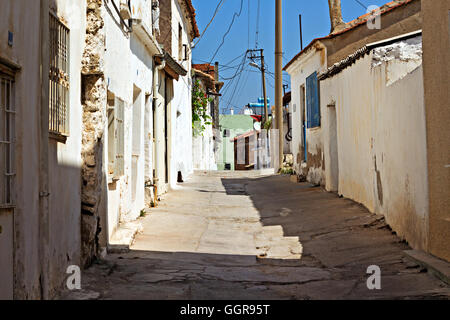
(200, 117)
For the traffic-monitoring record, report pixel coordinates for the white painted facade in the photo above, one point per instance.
(129, 75)
(313, 60)
(180, 155)
(375, 137)
(203, 151)
(47, 181)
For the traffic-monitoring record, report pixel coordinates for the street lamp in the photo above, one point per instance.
(253, 64)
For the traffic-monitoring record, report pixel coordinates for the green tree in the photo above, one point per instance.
(200, 117)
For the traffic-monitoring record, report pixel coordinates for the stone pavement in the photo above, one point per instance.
(231, 235)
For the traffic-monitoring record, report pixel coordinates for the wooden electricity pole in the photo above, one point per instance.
(263, 71)
(279, 79)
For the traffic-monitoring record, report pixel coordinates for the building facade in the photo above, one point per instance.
(231, 126)
(41, 141)
(365, 121)
(395, 18)
(76, 169)
(205, 134)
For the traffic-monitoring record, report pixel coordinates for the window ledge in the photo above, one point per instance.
(58, 137)
(7, 207)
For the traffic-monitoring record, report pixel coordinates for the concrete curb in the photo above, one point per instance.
(124, 236)
(439, 268)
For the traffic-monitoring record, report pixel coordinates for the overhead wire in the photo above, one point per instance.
(258, 14)
(228, 30)
(219, 6)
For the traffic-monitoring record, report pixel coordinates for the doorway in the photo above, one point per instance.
(303, 121)
(136, 140)
(333, 148)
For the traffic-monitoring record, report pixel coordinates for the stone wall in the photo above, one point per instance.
(165, 21)
(94, 97)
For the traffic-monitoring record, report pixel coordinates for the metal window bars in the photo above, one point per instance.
(59, 77)
(7, 141)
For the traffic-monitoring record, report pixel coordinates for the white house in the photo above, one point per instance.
(397, 17)
(40, 138)
(178, 30)
(374, 133)
(204, 142)
(129, 75)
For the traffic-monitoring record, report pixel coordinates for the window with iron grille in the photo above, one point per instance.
(7, 140)
(116, 132)
(59, 78)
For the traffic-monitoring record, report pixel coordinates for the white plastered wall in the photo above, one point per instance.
(381, 142)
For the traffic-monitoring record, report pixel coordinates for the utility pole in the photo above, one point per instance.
(279, 78)
(301, 32)
(263, 73)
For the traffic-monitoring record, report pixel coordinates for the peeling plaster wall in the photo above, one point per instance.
(382, 142)
(314, 60)
(65, 158)
(25, 52)
(131, 80)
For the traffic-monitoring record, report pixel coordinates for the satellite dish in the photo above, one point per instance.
(257, 126)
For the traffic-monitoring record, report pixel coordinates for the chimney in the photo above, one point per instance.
(337, 22)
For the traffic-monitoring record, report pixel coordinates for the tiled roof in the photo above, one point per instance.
(348, 61)
(194, 21)
(245, 135)
(206, 68)
(352, 25)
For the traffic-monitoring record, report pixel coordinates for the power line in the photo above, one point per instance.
(212, 19)
(361, 4)
(228, 31)
(258, 14)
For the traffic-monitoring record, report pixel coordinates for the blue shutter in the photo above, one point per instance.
(312, 101)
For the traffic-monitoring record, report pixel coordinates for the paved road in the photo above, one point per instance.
(247, 236)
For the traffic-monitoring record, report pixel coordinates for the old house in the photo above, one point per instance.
(205, 136)
(173, 111)
(373, 122)
(128, 71)
(230, 127)
(76, 169)
(369, 119)
(395, 18)
(40, 144)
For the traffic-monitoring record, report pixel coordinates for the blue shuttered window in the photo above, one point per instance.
(312, 101)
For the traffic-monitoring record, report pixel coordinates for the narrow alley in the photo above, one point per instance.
(249, 235)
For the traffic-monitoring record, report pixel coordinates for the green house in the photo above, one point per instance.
(231, 126)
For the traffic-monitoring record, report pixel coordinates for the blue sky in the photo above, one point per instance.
(316, 23)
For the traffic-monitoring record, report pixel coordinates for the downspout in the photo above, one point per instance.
(155, 90)
(44, 194)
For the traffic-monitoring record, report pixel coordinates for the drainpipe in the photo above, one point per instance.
(43, 154)
(157, 123)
